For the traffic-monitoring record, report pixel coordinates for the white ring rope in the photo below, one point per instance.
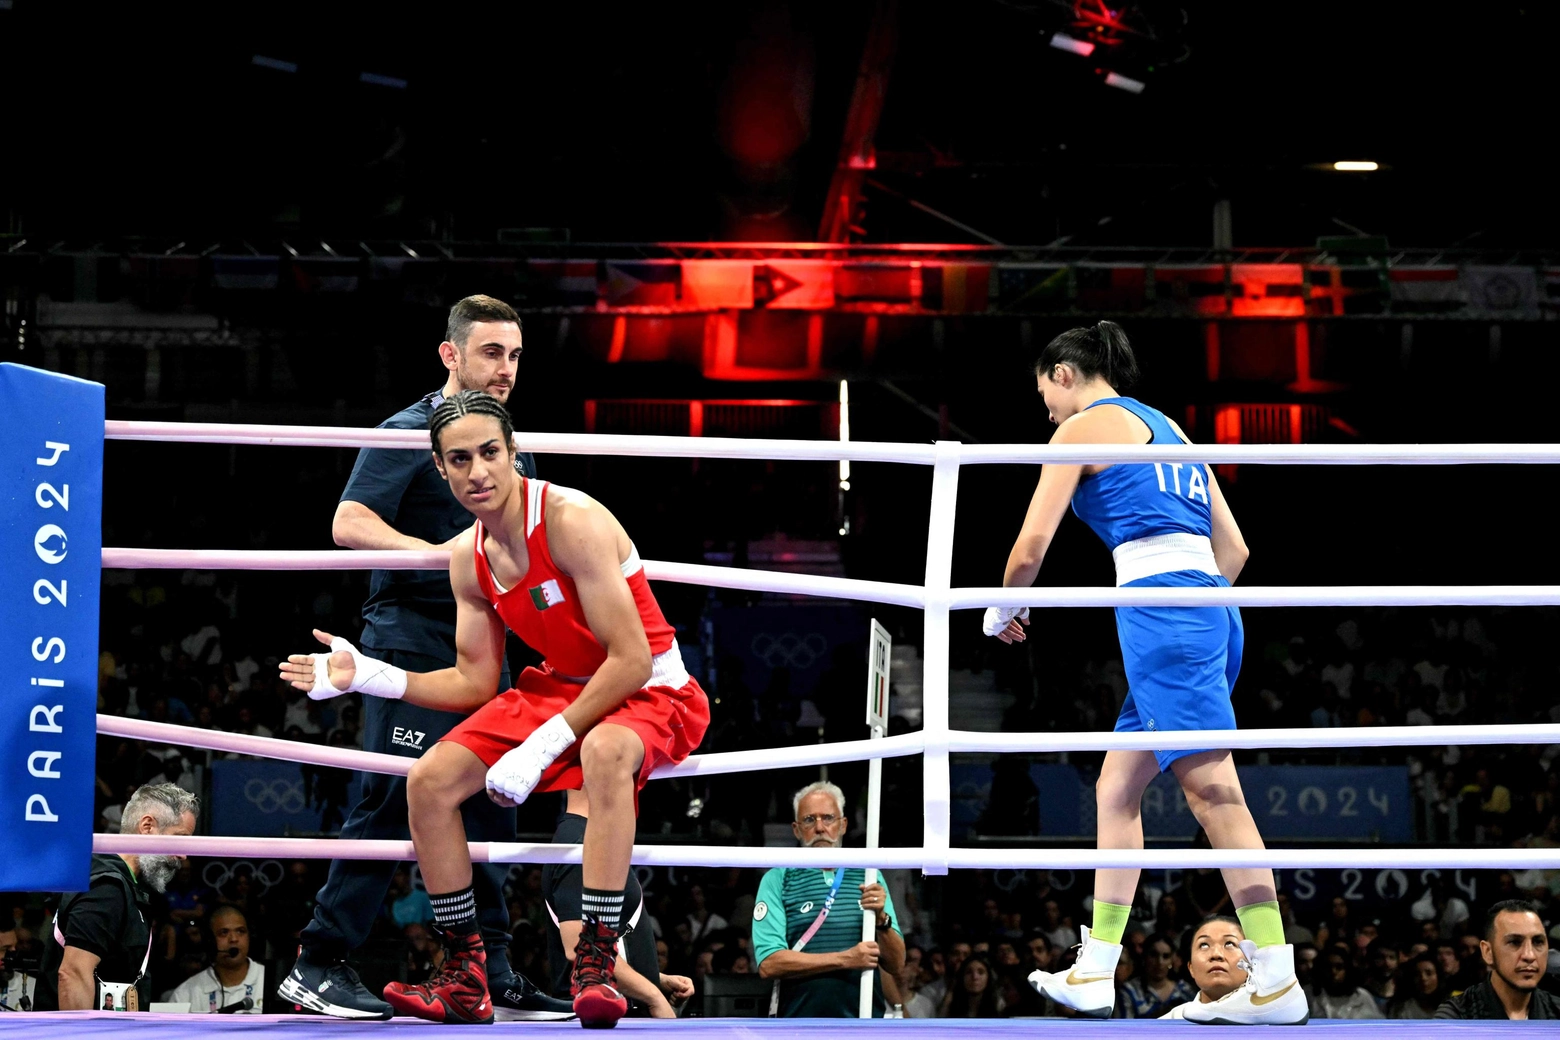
(958, 741)
(433, 560)
(857, 451)
(1262, 596)
(713, 764)
(1366, 856)
(550, 443)
(1269, 454)
(937, 599)
(753, 580)
(1234, 739)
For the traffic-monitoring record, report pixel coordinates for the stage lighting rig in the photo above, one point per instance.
(1129, 43)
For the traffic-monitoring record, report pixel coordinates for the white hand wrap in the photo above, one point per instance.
(375, 678)
(997, 618)
(516, 775)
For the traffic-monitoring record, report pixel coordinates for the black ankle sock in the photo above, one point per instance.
(455, 911)
(604, 905)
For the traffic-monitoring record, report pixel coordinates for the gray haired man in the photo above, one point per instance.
(807, 922)
(103, 935)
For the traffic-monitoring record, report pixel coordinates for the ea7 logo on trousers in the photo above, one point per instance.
(411, 738)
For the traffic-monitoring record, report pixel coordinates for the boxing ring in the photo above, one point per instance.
(935, 742)
(100, 1025)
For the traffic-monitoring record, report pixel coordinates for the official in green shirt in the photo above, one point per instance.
(823, 979)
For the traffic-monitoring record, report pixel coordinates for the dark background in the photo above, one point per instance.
(151, 130)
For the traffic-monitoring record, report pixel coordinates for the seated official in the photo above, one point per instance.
(1215, 961)
(807, 922)
(104, 933)
(1516, 951)
(235, 982)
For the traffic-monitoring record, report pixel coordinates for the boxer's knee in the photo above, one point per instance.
(443, 778)
(610, 755)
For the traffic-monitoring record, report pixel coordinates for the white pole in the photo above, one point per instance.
(936, 796)
(878, 652)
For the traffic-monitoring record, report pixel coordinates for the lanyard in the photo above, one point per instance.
(812, 930)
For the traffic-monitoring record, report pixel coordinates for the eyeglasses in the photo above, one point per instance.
(819, 820)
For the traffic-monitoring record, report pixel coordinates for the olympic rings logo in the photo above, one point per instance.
(789, 650)
(266, 876)
(275, 795)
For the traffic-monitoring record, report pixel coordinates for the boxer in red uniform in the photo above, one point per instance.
(610, 703)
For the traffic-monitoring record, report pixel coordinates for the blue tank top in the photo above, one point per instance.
(1125, 502)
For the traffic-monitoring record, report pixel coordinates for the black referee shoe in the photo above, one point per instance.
(331, 988)
(515, 999)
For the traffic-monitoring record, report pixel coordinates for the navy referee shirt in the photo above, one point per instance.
(412, 611)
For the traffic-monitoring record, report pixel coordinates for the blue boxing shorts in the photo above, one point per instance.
(1181, 663)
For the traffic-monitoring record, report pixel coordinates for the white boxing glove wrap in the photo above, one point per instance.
(516, 774)
(996, 619)
(375, 678)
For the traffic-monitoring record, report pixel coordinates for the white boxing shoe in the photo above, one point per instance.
(1089, 986)
(1271, 996)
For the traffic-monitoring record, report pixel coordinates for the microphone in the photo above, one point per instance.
(236, 1007)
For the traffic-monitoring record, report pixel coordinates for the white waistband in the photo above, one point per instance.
(666, 669)
(1161, 554)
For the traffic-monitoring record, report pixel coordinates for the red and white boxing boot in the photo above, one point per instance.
(458, 993)
(597, 1001)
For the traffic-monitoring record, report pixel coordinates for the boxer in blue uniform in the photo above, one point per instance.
(1166, 524)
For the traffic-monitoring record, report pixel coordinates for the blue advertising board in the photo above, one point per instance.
(263, 799)
(799, 642)
(1321, 802)
(51, 541)
(1325, 803)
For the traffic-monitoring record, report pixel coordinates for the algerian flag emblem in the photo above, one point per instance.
(546, 594)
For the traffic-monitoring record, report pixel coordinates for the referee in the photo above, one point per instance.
(395, 499)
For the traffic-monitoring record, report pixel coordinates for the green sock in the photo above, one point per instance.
(1261, 923)
(1110, 921)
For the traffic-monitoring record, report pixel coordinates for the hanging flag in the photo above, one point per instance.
(643, 283)
(1192, 290)
(245, 272)
(1550, 301)
(794, 284)
(1033, 287)
(717, 284)
(878, 283)
(565, 283)
(956, 288)
(1111, 287)
(159, 282)
(326, 274)
(1267, 291)
(1503, 292)
(1426, 290)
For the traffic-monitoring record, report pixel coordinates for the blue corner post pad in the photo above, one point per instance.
(51, 523)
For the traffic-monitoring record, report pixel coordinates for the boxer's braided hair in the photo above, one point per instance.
(470, 402)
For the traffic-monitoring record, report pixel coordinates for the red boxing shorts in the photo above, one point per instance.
(670, 722)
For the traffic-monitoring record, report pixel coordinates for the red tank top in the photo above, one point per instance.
(544, 607)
